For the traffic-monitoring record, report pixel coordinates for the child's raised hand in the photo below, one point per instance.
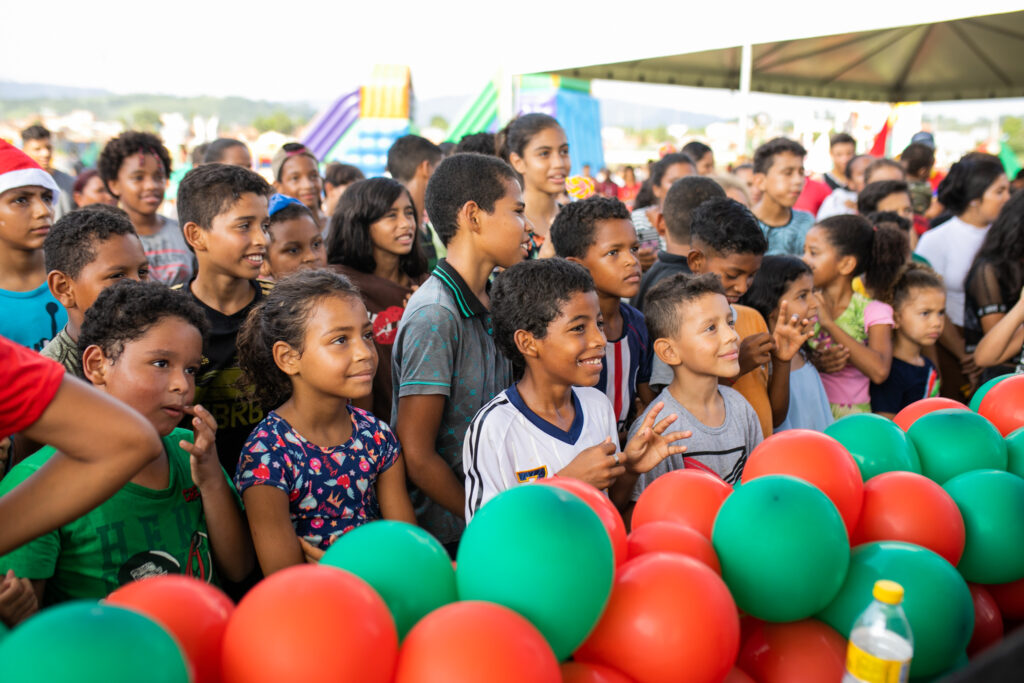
(650, 445)
(17, 599)
(824, 312)
(203, 449)
(755, 350)
(790, 333)
(598, 465)
(310, 552)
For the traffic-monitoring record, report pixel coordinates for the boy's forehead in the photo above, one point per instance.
(786, 160)
(246, 204)
(732, 262)
(695, 309)
(608, 230)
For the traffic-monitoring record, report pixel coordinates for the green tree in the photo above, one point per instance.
(438, 121)
(146, 119)
(277, 121)
(1013, 129)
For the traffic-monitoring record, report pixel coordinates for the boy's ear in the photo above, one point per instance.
(425, 169)
(62, 288)
(469, 216)
(194, 235)
(760, 179)
(526, 343)
(696, 260)
(286, 357)
(659, 223)
(666, 351)
(94, 365)
(517, 163)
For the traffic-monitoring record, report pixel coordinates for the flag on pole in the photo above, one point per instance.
(1009, 159)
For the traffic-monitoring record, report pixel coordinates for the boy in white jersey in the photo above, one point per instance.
(547, 320)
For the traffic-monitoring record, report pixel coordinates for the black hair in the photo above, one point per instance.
(208, 190)
(514, 138)
(216, 149)
(1002, 250)
(199, 154)
(71, 243)
(348, 238)
(645, 195)
(125, 145)
(481, 143)
(879, 252)
(841, 139)
(283, 316)
(776, 274)
(662, 165)
(890, 219)
(764, 156)
(685, 195)
(867, 200)
(288, 212)
(663, 301)
(743, 167)
(572, 231)
(883, 163)
(727, 227)
(83, 178)
(917, 157)
(406, 155)
(463, 178)
(529, 296)
(125, 311)
(857, 158)
(968, 180)
(447, 148)
(695, 149)
(35, 132)
(910, 277)
(338, 175)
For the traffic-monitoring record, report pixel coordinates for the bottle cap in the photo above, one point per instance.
(889, 592)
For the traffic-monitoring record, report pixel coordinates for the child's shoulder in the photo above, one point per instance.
(499, 410)
(749, 320)
(364, 419)
(431, 300)
(634, 323)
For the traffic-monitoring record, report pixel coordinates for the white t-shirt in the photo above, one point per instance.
(508, 444)
(951, 249)
(836, 204)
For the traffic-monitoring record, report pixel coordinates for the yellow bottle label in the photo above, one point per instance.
(870, 669)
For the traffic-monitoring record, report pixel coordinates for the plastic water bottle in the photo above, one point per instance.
(881, 645)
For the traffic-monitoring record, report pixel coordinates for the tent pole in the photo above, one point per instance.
(746, 63)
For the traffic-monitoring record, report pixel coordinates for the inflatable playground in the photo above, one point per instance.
(359, 126)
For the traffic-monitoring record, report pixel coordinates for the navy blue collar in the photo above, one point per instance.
(570, 437)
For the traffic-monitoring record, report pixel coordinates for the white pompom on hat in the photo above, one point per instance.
(18, 170)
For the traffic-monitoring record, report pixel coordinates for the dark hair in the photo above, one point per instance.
(407, 153)
(743, 167)
(199, 153)
(71, 243)
(124, 312)
(208, 190)
(882, 163)
(83, 178)
(867, 200)
(283, 316)
(514, 138)
(889, 219)
(662, 165)
(663, 301)
(529, 296)
(685, 195)
(348, 238)
(695, 149)
(857, 158)
(572, 231)
(339, 175)
(968, 180)
(645, 195)
(290, 211)
(481, 143)
(463, 178)
(841, 139)
(35, 132)
(917, 157)
(727, 227)
(1002, 251)
(912, 276)
(776, 274)
(764, 156)
(125, 145)
(216, 149)
(879, 252)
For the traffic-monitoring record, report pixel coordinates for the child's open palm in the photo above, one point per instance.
(203, 449)
(790, 333)
(650, 445)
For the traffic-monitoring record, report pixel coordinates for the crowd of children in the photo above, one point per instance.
(290, 359)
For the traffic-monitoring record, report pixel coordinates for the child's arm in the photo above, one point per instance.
(273, 535)
(17, 599)
(648, 447)
(755, 351)
(419, 419)
(789, 335)
(1004, 340)
(229, 539)
(393, 494)
(874, 359)
(598, 465)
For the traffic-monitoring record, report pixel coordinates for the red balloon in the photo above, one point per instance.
(988, 622)
(192, 611)
(689, 497)
(582, 672)
(737, 676)
(466, 642)
(1003, 405)
(909, 507)
(1010, 598)
(669, 537)
(305, 609)
(667, 614)
(909, 415)
(599, 503)
(819, 460)
(808, 651)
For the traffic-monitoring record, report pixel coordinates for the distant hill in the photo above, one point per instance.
(9, 90)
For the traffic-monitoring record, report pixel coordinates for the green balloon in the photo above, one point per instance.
(782, 546)
(992, 505)
(953, 441)
(405, 564)
(936, 600)
(89, 642)
(544, 553)
(961, 663)
(979, 395)
(1015, 452)
(876, 444)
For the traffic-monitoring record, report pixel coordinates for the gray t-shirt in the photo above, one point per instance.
(170, 260)
(66, 201)
(64, 350)
(722, 450)
(444, 346)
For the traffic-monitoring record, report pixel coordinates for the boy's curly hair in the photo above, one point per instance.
(125, 145)
(572, 231)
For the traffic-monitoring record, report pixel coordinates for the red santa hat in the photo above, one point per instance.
(18, 170)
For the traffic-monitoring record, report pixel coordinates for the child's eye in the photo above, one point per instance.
(368, 335)
(292, 251)
(634, 249)
(613, 252)
(711, 328)
(192, 370)
(340, 340)
(144, 273)
(160, 363)
(732, 323)
(317, 244)
(578, 328)
(115, 276)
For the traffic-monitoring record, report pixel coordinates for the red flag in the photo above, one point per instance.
(879, 146)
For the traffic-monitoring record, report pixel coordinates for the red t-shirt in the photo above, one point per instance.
(28, 382)
(812, 196)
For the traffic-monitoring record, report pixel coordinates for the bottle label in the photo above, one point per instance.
(871, 669)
